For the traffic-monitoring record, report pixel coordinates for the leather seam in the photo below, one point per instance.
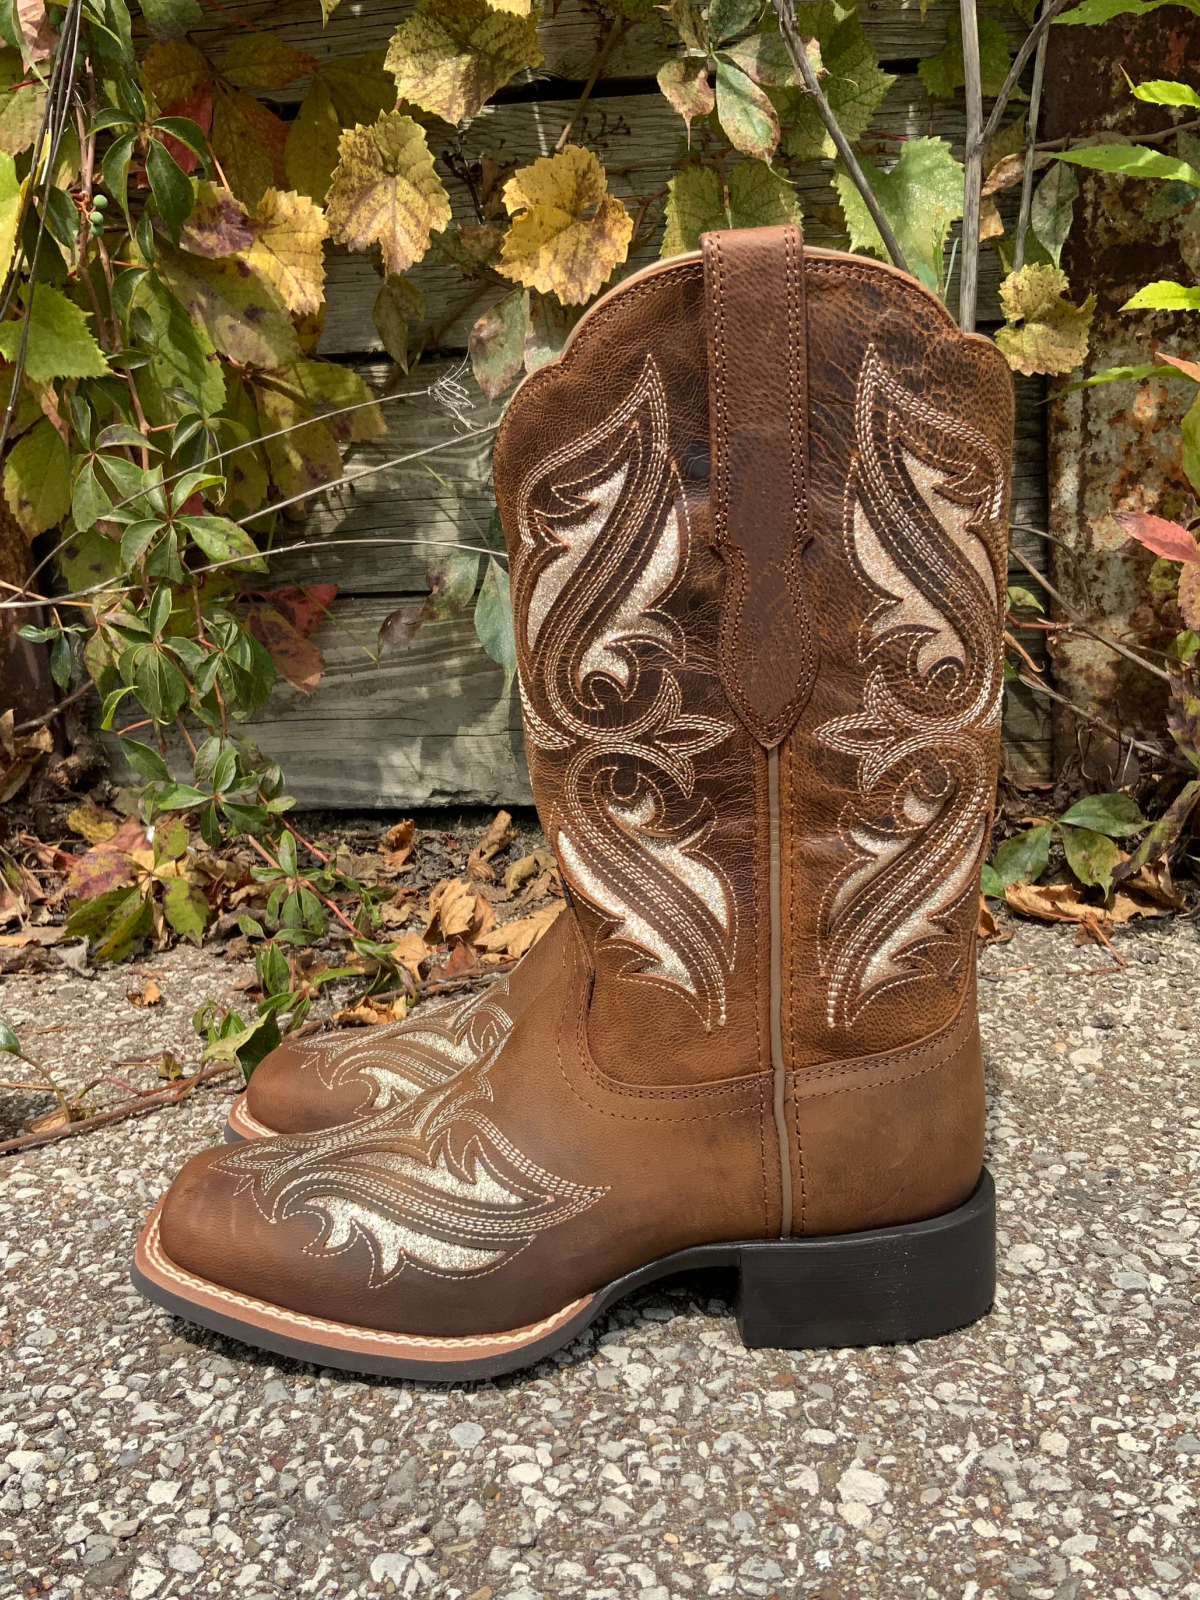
(882, 1083)
(747, 1086)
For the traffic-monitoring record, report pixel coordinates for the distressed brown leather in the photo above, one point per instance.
(636, 1106)
(758, 421)
(329, 1078)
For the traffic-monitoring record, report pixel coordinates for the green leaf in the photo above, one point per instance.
(184, 356)
(1164, 92)
(1149, 369)
(497, 343)
(132, 919)
(1139, 161)
(991, 883)
(1093, 12)
(179, 797)
(60, 660)
(144, 760)
(37, 479)
(187, 132)
(1117, 815)
(172, 191)
(10, 208)
(745, 112)
(1053, 209)
(114, 169)
(1024, 857)
(22, 104)
(922, 196)
(158, 683)
(10, 1044)
(287, 853)
(1091, 856)
(167, 19)
(240, 312)
(695, 205)
(493, 618)
(1165, 295)
(271, 969)
(137, 539)
(729, 18)
(943, 73)
(1189, 430)
(60, 340)
(854, 84)
(222, 540)
(89, 501)
(1016, 596)
(760, 197)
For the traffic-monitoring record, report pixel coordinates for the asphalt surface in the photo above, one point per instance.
(1051, 1451)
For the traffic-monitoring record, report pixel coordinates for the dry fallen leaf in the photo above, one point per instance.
(92, 824)
(1063, 902)
(409, 951)
(397, 844)
(514, 938)
(527, 867)
(148, 995)
(990, 931)
(457, 911)
(369, 1011)
(498, 834)
(48, 1120)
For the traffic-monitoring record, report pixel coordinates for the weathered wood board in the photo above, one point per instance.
(436, 723)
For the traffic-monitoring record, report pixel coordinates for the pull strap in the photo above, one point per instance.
(758, 408)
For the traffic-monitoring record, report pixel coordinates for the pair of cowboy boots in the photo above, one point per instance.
(756, 521)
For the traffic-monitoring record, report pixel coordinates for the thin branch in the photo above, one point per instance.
(1084, 626)
(248, 444)
(785, 10)
(55, 711)
(1031, 125)
(1154, 750)
(1032, 40)
(968, 282)
(615, 32)
(133, 1108)
(355, 477)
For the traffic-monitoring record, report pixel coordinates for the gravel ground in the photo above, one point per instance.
(1052, 1451)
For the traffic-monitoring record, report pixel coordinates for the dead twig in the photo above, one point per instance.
(785, 10)
(1084, 626)
(1090, 717)
(1031, 125)
(968, 282)
(615, 33)
(150, 1101)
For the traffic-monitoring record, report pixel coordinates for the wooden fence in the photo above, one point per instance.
(435, 724)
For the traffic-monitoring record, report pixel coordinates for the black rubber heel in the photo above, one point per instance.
(885, 1286)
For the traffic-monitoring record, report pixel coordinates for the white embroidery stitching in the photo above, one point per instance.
(924, 496)
(599, 554)
(430, 1183)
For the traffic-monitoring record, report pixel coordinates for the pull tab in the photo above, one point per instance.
(758, 409)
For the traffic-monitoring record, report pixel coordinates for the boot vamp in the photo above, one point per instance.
(489, 1202)
(311, 1084)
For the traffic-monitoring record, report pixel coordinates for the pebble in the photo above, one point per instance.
(1051, 1452)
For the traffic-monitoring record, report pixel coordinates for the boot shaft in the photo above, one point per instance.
(756, 516)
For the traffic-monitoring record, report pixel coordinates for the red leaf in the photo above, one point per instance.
(304, 605)
(1191, 368)
(1165, 538)
(295, 657)
(107, 866)
(199, 107)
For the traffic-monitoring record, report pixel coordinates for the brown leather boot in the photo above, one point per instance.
(324, 1080)
(756, 517)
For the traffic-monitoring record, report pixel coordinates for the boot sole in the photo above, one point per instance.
(884, 1286)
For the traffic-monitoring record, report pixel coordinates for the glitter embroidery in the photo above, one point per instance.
(603, 540)
(923, 532)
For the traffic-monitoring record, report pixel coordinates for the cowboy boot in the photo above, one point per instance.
(324, 1080)
(756, 519)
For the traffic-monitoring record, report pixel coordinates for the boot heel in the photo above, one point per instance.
(884, 1286)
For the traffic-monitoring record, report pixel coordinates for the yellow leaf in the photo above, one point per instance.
(175, 72)
(568, 232)
(287, 251)
(517, 8)
(1045, 332)
(452, 56)
(385, 191)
